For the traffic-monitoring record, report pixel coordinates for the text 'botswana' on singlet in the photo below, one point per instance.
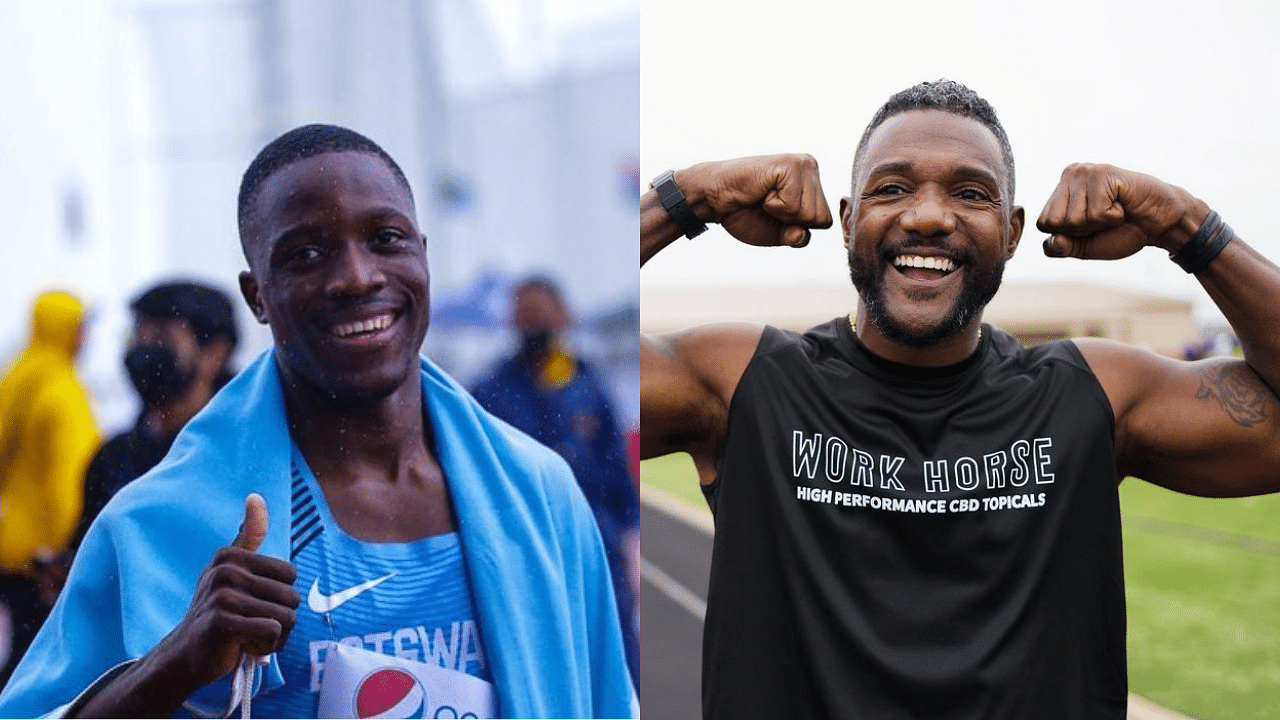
(905, 543)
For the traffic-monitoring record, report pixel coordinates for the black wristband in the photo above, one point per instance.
(1211, 250)
(1200, 250)
(677, 206)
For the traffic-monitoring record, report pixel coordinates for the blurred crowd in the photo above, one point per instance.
(1219, 344)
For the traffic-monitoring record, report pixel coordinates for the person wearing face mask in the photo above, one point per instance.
(177, 357)
(556, 397)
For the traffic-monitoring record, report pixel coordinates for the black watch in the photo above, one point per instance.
(676, 205)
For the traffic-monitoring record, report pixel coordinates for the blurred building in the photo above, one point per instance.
(131, 121)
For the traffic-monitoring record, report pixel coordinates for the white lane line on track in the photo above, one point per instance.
(695, 516)
(1141, 709)
(683, 596)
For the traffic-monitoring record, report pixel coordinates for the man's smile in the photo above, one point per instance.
(363, 327)
(371, 326)
(923, 268)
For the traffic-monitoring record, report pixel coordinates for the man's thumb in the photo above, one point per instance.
(796, 236)
(254, 527)
(1058, 246)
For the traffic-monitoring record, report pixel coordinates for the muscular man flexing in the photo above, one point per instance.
(917, 516)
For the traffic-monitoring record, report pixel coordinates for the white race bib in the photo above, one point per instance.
(359, 683)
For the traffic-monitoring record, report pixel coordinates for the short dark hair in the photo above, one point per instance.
(207, 309)
(948, 96)
(545, 283)
(299, 144)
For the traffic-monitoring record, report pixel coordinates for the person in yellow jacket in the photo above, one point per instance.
(47, 437)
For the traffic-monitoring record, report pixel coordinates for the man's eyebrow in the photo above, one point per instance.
(962, 172)
(971, 172)
(890, 168)
(387, 213)
(301, 231)
(376, 214)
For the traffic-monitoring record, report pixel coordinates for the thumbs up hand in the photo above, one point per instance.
(244, 603)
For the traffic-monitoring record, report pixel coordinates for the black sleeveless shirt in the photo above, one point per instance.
(903, 543)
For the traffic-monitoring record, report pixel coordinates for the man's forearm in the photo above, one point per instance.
(1244, 286)
(657, 229)
(147, 688)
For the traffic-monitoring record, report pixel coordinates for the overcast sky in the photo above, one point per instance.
(1185, 91)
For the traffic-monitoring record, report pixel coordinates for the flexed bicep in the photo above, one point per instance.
(1206, 428)
(687, 381)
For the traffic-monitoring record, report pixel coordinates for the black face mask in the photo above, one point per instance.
(534, 344)
(154, 371)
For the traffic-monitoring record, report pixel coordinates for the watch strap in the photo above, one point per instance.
(677, 206)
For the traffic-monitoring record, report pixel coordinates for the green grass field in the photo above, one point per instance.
(1203, 581)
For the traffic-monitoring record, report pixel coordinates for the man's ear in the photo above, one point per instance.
(846, 221)
(249, 289)
(1017, 218)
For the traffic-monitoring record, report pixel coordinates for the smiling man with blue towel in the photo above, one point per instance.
(342, 492)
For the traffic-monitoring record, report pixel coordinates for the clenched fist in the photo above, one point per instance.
(1102, 212)
(763, 200)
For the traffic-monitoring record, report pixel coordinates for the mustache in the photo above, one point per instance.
(961, 253)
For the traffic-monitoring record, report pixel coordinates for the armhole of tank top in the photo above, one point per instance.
(1077, 360)
(771, 340)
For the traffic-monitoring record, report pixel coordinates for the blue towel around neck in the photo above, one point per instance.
(537, 566)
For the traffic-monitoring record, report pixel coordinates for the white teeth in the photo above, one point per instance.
(382, 322)
(930, 263)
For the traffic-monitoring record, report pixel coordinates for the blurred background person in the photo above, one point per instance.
(47, 435)
(177, 357)
(560, 400)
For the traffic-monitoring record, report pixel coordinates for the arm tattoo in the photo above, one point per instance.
(1240, 392)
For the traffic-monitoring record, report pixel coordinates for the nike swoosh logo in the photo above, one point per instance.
(321, 603)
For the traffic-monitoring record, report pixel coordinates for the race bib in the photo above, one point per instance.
(359, 683)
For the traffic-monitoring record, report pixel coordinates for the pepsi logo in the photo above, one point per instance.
(389, 693)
